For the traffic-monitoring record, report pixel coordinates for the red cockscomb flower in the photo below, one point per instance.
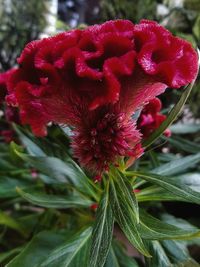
(86, 78)
(151, 118)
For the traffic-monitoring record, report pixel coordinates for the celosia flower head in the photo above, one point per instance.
(95, 79)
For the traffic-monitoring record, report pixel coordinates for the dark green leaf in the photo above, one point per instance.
(64, 172)
(37, 250)
(10, 222)
(111, 260)
(71, 252)
(123, 259)
(9, 254)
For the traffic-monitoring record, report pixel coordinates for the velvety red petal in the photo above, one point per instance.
(138, 90)
(172, 60)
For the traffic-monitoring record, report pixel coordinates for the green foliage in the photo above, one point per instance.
(28, 20)
(128, 9)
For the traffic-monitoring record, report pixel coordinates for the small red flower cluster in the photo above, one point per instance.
(3, 84)
(11, 113)
(151, 118)
(95, 79)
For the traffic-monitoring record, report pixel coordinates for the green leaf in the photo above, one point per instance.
(8, 186)
(155, 193)
(64, 172)
(56, 202)
(71, 252)
(123, 259)
(159, 257)
(31, 146)
(154, 229)
(183, 144)
(125, 189)
(170, 184)
(174, 113)
(178, 254)
(8, 221)
(9, 254)
(37, 250)
(102, 231)
(182, 128)
(112, 260)
(125, 217)
(178, 166)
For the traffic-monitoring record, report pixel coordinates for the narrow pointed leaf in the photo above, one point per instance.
(173, 186)
(67, 254)
(52, 201)
(154, 229)
(102, 231)
(37, 250)
(126, 219)
(178, 165)
(125, 189)
(64, 171)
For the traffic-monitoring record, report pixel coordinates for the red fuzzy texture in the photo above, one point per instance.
(151, 118)
(101, 138)
(79, 74)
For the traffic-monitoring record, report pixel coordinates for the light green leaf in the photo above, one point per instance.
(102, 231)
(56, 202)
